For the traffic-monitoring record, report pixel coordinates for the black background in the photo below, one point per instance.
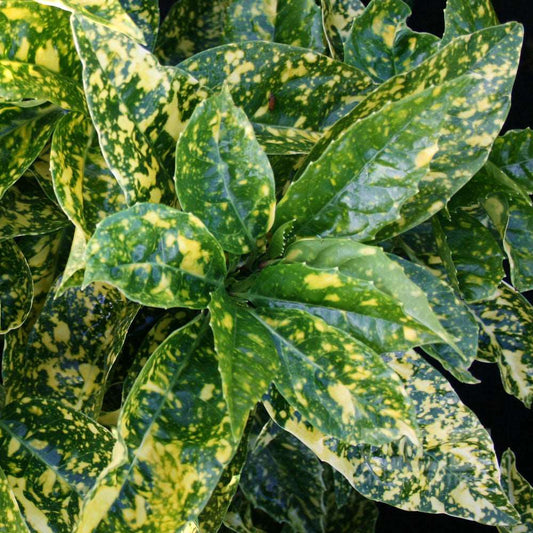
(506, 418)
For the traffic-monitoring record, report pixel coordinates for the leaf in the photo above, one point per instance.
(156, 256)
(10, 515)
(176, 440)
(281, 140)
(475, 254)
(111, 13)
(455, 472)
(337, 18)
(23, 134)
(356, 187)
(223, 177)
(353, 287)
(506, 337)
(51, 455)
(454, 316)
(138, 109)
(519, 491)
(461, 18)
(74, 343)
(25, 210)
(336, 382)
(381, 44)
(513, 154)
(73, 272)
(16, 286)
(284, 478)
(311, 91)
(247, 357)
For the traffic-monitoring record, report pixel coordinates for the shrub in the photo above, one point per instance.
(224, 283)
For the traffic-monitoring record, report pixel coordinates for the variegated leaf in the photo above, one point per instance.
(455, 472)
(247, 357)
(520, 494)
(337, 19)
(23, 134)
(513, 154)
(284, 478)
(137, 133)
(157, 256)
(223, 177)
(26, 210)
(353, 287)
(176, 440)
(381, 44)
(310, 91)
(285, 140)
(41, 254)
(74, 269)
(506, 338)
(10, 517)
(453, 315)
(361, 180)
(74, 343)
(336, 382)
(463, 17)
(193, 26)
(16, 286)
(51, 455)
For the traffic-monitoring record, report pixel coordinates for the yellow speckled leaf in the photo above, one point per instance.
(285, 140)
(10, 518)
(341, 385)
(520, 493)
(157, 256)
(23, 134)
(247, 357)
(506, 338)
(462, 17)
(337, 19)
(455, 472)
(74, 343)
(138, 108)
(16, 286)
(74, 269)
(51, 456)
(176, 439)
(282, 85)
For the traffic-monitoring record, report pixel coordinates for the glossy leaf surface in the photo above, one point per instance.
(337, 383)
(156, 256)
(51, 456)
(455, 472)
(10, 517)
(223, 177)
(337, 19)
(176, 440)
(462, 18)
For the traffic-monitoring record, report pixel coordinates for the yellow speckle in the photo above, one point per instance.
(47, 56)
(424, 157)
(227, 321)
(344, 399)
(410, 334)
(13, 447)
(322, 281)
(207, 392)
(388, 33)
(193, 256)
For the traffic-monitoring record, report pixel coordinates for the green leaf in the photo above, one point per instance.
(223, 177)
(10, 517)
(157, 256)
(506, 338)
(23, 133)
(311, 91)
(176, 440)
(16, 286)
(390, 47)
(361, 180)
(247, 357)
(476, 256)
(74, 269)
(454, 316)
(74, 343)
(193, 26)
(138, 109)
(520, 493)
(513, 154)
(337, 18)
(463, 17)
(336, 382)
(455, 472)
(25, 210)
(112, 14)
(284, 478)
(51, 455)
(281, 140)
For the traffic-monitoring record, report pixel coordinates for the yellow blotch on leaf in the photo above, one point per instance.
(322, 281)
(424, 157)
